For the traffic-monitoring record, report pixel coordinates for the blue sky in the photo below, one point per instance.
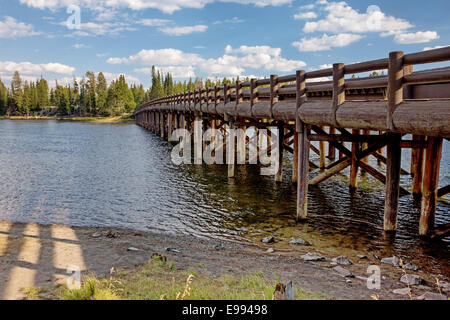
(209, 38)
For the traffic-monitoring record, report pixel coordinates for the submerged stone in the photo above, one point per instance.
(343, 260)
(267, 240)
(343, 272)
(394, 261)
(412, 279)
(312, 257)
(299, 242)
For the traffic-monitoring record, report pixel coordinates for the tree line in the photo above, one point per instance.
(91, 96)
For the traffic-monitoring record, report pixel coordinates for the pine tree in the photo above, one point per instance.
(91, 89)
(102, 94)
(3, 99)
(17, 93)
(43, 93)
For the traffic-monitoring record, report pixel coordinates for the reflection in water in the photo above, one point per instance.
(85, 174)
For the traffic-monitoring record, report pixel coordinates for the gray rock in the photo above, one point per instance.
(361, 256)
(96, 235)
(444, 285)
(411, 267)
(175, 250)
(270, 250)
(431, 296)
(394, 261)
(348, 281)
(343, 272)
(332, 263)
(403, 291)
(133, 249)
(219, 247)
(312, 257)
(299, 242)
(343, 260)
(269, 239)
(412, 279)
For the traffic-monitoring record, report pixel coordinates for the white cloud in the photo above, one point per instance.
(179, 31)
(175, 71)
(417, 37)
(11, 28)
(166, 6)
(342, 18)
(305, 15)
(432, 48)
(100, 29)
(159, 57)
(232, 20)
(345, 22)
(307, 7)
(234, 62)
(28, 68)
(326, 42)
(79, 46)
(154, 22)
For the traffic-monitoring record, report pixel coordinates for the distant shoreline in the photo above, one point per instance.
(77, 119)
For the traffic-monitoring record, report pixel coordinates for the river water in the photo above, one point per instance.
(120, 175)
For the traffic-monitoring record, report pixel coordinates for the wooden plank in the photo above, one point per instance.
(430, 182)
(443, 191)
(341, 165)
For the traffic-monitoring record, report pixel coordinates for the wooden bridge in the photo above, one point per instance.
(372, 113)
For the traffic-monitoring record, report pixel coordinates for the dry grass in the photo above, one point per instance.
(159, 280)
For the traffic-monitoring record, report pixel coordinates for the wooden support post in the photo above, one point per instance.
(169, 126)
(231, 151)
(280, 152)
(331, 148)
(354, 164)
(163, 124)
(322, 164)
(364, 146)
(303, 149)
(295, 159)
(433, 156)
(395, 85)
(417, 162)
(394, 156)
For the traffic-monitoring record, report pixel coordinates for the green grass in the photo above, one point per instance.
(32, 293)
(159, 280)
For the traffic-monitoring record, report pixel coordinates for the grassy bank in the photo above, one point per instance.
(124, 118)
(160, 280)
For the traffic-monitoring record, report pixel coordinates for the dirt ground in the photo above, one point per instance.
(39, 256)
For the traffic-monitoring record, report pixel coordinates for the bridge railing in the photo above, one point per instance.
(272, 90)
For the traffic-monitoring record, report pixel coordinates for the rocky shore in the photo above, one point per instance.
(33, 255)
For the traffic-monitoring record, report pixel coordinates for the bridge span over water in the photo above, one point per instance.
(373, 114)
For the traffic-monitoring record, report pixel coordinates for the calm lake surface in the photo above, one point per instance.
(90, 174)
